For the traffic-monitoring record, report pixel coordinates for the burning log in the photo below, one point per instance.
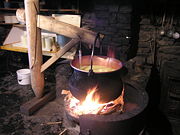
(111, 108)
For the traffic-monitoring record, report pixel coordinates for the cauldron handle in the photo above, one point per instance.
(92, 54)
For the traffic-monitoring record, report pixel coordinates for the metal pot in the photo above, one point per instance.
(109, 84)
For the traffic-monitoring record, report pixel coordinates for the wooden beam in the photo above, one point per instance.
(34, 47)
(50, 24)
(60, 53)
(53, 25)
(35, 104)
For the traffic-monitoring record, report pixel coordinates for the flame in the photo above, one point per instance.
(90, 105)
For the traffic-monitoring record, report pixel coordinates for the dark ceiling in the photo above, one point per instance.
(157, 6)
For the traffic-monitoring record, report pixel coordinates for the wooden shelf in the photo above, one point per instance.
(20, 25)
(8, 9)
(61, 10)
(10, 47)
(44, 10)
(9, 23)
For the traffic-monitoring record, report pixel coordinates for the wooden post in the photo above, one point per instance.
(34, 47)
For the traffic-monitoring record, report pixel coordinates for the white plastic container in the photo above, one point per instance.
(23, 76)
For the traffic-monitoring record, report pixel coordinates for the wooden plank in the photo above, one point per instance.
(8, 9)
(60, 53)
(9, 47)
(44, 10)
(70, 19)
(8, 23)
(68, 30)
(35, 104)
(61, 10)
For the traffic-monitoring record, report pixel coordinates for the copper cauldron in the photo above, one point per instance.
(109, 84)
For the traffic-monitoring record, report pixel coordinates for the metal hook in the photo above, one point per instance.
(92, 54)
(80, 51)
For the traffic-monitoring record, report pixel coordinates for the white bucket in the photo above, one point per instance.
(23, 76)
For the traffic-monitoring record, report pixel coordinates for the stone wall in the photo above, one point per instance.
(114, 21)
(168, 58)
(150, 37)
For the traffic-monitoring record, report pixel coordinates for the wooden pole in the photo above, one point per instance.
(50, 24)
(34, 47)
(74, 32)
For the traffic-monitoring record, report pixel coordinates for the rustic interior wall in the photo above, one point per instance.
(168, 56)
(114, 21)
(149, 35)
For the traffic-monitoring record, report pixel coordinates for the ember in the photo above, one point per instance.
(92, 105)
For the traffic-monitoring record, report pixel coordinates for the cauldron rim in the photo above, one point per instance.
(119, 63)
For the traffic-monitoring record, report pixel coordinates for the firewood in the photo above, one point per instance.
(64, 131)
(52, 123)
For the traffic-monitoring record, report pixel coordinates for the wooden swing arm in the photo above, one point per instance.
(50, 24)
(58, 54)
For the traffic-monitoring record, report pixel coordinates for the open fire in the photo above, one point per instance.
(92, 104)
